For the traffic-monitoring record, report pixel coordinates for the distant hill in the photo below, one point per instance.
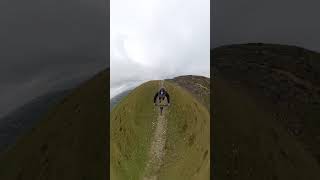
(266, 109)
(181, 149)
(69, 142)
(115, 100)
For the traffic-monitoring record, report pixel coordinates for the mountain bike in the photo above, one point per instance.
(161, 106)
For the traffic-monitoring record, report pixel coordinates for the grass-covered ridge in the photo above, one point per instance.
(187, 147)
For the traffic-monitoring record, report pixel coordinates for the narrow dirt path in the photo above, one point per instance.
(157, 151)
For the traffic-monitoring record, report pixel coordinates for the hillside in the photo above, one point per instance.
(68, 143)
(146, 145)
(198, 86)
(266, 114)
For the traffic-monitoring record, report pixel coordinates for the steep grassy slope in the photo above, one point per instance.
(188, 144)
(131, 129)
(265, 112)
(133, 124)
(69, 143)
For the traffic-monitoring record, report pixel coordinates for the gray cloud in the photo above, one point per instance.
(291, 22)
(155, 39)
(49, 45)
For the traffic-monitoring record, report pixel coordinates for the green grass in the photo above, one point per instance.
(188, 137)
(69, 143)
(187, 147)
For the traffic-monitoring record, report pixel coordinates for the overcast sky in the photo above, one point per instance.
(48, 45)
(292, 22)
(156, 39)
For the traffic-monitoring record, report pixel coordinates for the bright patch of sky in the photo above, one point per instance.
(157, 39)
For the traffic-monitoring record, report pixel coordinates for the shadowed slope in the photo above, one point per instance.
(69, 143)
(21, 120)
(265, 113)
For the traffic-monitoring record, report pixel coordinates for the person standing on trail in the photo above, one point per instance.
(161, 94)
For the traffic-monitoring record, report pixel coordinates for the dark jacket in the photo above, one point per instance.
(165, 94)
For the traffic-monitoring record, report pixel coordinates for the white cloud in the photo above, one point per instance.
(155, 39)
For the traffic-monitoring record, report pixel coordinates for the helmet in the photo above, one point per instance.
(162, 92)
